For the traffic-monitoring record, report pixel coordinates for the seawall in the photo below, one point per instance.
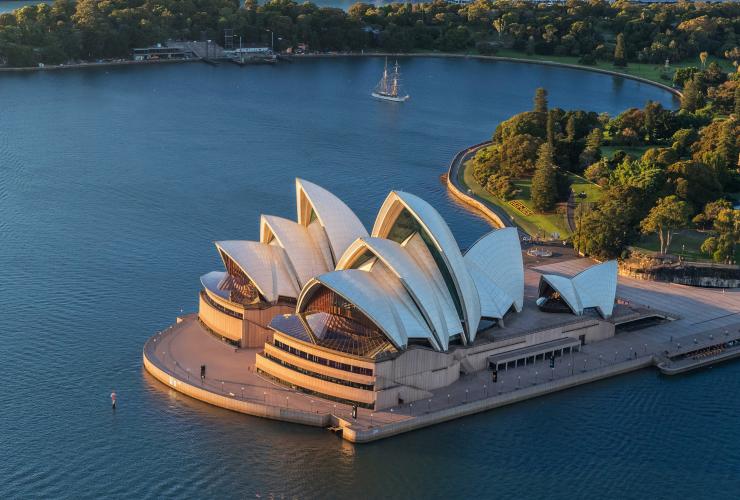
(418, 422)
(495, 214)
(176, 382)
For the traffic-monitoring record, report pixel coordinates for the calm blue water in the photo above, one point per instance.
(114, 182)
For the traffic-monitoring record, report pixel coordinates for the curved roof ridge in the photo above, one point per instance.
(438, 230)
(595, 286)
(265, 265)
(341, 224)
(303, 253)
(361, 289)
(416, 282)
(496, 264)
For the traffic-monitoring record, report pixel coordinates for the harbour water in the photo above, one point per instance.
(115, 181)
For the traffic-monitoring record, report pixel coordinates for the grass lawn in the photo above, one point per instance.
(526, 217)
(580, 185)
(648, 71)
(686, 243)
(634, 151)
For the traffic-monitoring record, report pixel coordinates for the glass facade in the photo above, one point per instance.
(240, 287)
(337, 324)
(369, 406)
(323, 361)
(321, 376)
(218, 306)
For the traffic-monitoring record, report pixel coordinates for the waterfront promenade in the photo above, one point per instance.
(701, 318)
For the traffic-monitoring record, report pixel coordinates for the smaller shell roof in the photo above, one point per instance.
(597, 287)
(594, 287)
(340, 223)
(496, 265)
(264, 264)
(212, 282)
(303, 252)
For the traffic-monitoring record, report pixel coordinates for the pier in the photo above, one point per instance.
(702, 327)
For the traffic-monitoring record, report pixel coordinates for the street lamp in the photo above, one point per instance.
(272, 39)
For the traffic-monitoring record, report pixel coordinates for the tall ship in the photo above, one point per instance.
(389, 87)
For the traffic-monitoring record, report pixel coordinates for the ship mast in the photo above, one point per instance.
(384, 81)
(394, 88)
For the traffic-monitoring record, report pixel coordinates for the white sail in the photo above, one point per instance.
(389, 86)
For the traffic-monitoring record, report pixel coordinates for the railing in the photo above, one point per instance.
(215, 386)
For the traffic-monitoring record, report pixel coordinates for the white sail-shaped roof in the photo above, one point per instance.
(594, 287)
(419, 251)
(597, 287)
(433, 306)
(411, 318)
(496, 265)
(341, 225)
(439, 234)
(304, 252)
(365, 292)
(264, 264)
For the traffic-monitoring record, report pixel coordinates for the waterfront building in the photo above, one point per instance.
(375, 318)
(594, 287)
(161, 52)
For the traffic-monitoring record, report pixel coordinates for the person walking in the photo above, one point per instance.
(113, 399)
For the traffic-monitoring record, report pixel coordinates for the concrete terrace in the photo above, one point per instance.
(704, 317)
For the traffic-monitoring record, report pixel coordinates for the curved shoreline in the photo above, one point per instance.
(440, 55)
(447, 55)
(495, 214)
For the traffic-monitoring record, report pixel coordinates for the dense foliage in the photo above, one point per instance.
(594, 29)
(688, 165)
(688, 170)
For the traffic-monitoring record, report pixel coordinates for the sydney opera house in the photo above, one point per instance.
(375, 318)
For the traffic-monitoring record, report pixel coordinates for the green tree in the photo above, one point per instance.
(550, 129)
(530, 46)
(722, 246)
(570, 128)
(706, 218)
(737, 102)
(540, 100)
(651, 119)
(544, 189)
(607, 228)
(500, 26)
(500, 186)
(598, 172)
(620, 58)
(692, 98)
(668, 215)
